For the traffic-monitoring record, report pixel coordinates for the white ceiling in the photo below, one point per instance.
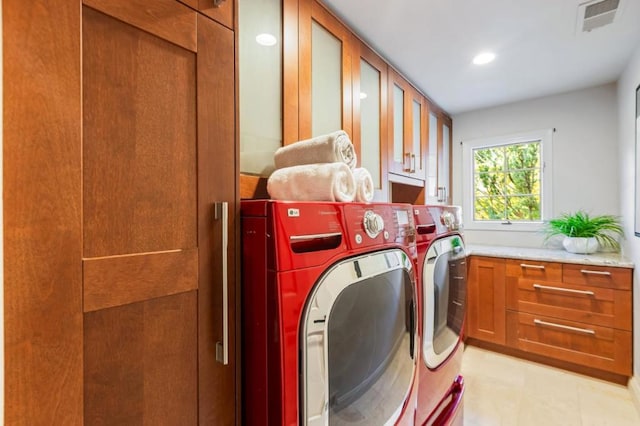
(538, 52)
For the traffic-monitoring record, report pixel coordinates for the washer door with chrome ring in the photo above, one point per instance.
(358, 342)
(444, 289)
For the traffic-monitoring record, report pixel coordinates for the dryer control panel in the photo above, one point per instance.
(379, 224)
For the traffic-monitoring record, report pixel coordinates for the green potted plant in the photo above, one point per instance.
(584, 233)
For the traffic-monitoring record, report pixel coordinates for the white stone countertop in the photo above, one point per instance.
(550, 255)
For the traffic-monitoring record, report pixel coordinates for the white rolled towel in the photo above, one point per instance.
(364, 185)
(313, 182)
(330, 148)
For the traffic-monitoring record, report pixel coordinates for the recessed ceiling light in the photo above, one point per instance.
(266, 39)
(484, 58)
(363, 95)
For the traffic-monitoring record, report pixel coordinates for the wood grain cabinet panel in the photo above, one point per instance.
(599, 276)
(141, 363)
(598, 347)
(220, 10)
(139, 140)
(486, 299)
(42, 160)
(580, 315)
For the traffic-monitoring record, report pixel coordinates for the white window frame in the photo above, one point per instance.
(545, 137)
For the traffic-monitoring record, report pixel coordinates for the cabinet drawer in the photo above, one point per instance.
(605, 307)
(598, 276)
(533, 269)
(590, 345)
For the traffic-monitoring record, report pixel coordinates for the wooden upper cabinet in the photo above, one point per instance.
(438, 173)
(325, 72)
(370, 115)
(406, 129)
(220, 10)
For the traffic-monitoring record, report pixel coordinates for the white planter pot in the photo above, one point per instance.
(580, 245)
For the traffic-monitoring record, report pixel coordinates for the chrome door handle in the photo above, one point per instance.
(529, 266)
(564, 327)
(566, 290)
(222, 348)
(590, 272)
(413, 163)
(406, 155)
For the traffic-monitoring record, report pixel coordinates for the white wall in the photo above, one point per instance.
(627, 84)
(585, 152)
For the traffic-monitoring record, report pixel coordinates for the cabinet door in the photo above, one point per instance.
(400, 125)
(438, 171)
(260, 51)
(325, 72)
(370, 116)
(158, 135)
(486, 300)
(220, 10)
(407, 130)
(418, 135)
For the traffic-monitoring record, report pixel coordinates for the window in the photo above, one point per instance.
(507, 181)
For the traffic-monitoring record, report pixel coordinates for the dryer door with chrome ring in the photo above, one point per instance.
(444, 292)
(358, 342)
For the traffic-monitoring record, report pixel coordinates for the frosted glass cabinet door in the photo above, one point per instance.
(417, 156)
(432, 160)
(260, 84)
(438, 159)
(443, 170)
(370, 101)
(398, 126)
(369, 77)
(326, 81)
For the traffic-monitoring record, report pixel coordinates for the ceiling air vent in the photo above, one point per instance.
(594, 14)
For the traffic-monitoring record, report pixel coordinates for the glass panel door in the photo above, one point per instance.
(398, 124)
(432, 160)
(326, 81)
(370, 142)
(260, 84)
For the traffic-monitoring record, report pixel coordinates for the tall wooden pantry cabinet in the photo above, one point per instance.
(120, 199)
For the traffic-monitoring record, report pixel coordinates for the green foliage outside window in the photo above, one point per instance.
(507, 182)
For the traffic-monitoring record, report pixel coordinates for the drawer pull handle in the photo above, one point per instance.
(564, 327)
(526, 265)
(587, 271)
(566, 290)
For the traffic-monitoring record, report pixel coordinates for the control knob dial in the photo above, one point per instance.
(373, 223)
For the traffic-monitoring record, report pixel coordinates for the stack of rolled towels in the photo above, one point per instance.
(320, 169)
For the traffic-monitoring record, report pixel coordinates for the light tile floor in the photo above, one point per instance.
(502, 390)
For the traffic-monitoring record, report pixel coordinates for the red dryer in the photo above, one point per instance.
(442, 287)
(329, 313)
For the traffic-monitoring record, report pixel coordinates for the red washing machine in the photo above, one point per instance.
(329, 313)
(442, 289)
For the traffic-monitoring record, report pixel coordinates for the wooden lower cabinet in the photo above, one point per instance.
(569, 314)
(589, 345)
(486, 300)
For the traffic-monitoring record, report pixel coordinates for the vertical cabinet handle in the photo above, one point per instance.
(407, 155)
(413, 163)
(222, 348)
